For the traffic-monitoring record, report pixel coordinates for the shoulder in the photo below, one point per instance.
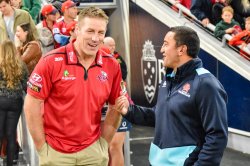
(207, 81)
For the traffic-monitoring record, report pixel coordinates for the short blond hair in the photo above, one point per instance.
(92, 12)
(228, 9)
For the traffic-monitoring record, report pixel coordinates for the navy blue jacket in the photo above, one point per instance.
(202, 9)
(190, 118)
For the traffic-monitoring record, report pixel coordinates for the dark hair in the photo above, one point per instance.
(187, 36)
(7, 1)
(27, 28)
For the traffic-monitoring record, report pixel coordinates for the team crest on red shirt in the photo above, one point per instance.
(185, 90)
(103, 76)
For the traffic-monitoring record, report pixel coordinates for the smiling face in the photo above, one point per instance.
(170, 52)
(21, 34)
(90, 33)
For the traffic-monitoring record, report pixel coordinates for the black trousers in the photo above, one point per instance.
(10, 110)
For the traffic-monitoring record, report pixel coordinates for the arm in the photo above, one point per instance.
(111, 123)
(213, 114)
(134, 113)
(196, 9)
(32, 109)
(219, 31)
(236, 40)
(30, 52)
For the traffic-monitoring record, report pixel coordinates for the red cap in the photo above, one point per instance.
(48, 9)
(68, 4)
(71, 26)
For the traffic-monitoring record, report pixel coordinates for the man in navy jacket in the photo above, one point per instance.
(190, 116)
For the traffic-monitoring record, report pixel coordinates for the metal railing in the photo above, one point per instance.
(183, 11)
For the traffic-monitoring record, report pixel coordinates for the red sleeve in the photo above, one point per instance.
(40, 83)
(236, 40)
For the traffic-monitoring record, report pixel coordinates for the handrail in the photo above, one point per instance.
(210, 26)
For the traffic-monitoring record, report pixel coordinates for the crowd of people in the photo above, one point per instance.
(228, 17)
(67, 69)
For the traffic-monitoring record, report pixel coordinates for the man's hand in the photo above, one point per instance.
(121, 104)
(205, 22)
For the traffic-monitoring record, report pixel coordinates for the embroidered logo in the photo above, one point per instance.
(185, 90)
(67, 76)
(103, 76)
(36, 77)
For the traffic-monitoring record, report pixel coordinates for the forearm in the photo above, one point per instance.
(140, 115)
(111, 124)
(32, 109)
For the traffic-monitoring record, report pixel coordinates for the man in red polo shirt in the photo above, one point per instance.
(74, 82)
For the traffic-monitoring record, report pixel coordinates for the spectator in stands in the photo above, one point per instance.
(242, 39)
(241, 10)
(202, 10)
(13, 79)
(116, 145)
(33, 7)
(190, 116)
(16, 3)
(30, 49)
(60, 33)
(58, 6)
(227, 25)
(48, 17)
(10, 18)
(217, 10)
(74, 82)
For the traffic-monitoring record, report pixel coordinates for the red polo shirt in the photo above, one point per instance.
(73, 97)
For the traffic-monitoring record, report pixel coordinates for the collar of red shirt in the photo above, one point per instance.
(72, 58)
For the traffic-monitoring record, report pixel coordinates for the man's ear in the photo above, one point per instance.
(182, 50)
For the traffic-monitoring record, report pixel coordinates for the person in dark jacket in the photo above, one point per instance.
(190, 116)
(202, 10)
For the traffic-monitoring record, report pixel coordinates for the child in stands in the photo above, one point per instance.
(227, 25)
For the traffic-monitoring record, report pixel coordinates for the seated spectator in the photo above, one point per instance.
(217, 10)
(227, 24)
(241, 9)
(242, 39)
(48, 17)
(202, 10)
(30, 49)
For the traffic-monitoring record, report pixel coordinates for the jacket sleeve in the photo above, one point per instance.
(211, 102)
(30, 52)
(219, 31)
(196, 9)
(34, 8)
(141, 115)
(236, 40)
